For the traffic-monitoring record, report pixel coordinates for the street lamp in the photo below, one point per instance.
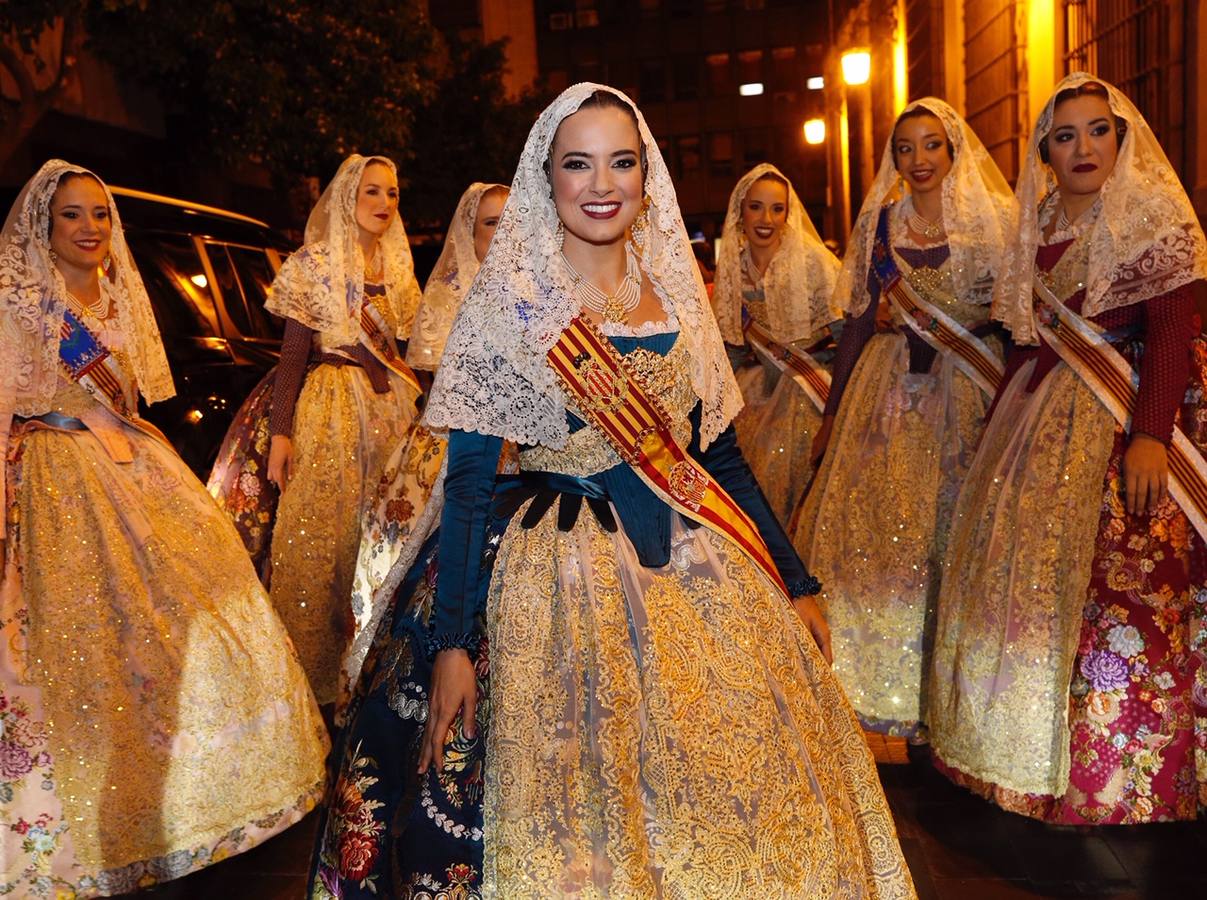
(753, 89)
(856, 67)
(815, 131)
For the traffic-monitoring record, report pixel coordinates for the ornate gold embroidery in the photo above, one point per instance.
(175, 717)
(670, 730)
(874, 527)
(1015, 586)
(588, 452)
(343, 434)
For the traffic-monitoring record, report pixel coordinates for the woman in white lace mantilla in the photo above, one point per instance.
(1068, 681)
(905, 407)
(340, 401)
(622, 638)
(776, 277)
(153, 716)
(465, 245)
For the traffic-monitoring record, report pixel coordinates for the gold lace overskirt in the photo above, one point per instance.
(873, 529)
(157, 714)
(1011, 604)
(343, 434)
(776, 437)
(668, 732)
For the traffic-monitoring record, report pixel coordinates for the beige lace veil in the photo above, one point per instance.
(494, 378)
(322, 285)
(978, 210)
(799, 282)
(1145, 239)
(448, 283)
(33, 296)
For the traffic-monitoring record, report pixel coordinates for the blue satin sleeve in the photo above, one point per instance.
(724, 462)
(469, 487)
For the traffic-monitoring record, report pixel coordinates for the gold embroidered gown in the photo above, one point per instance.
(661, 721)
(154, 718)
(343, 434)
(873, 528)
(776, 426)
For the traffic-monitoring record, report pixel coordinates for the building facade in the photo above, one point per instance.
(722, 83)
(997, 61)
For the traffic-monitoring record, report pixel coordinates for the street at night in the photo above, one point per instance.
(747, 449)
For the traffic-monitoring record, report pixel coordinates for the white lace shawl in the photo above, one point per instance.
(33, 297)
(494, 377)
(1145, 239)
(799, 282)
(322, 285)
(448, 283)
(978, 211)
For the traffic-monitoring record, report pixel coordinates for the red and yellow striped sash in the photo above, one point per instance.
(613, 399)
(808, 372)
(948, 336)
(375, 336)
(1116, 384)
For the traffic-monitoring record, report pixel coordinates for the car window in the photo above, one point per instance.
(176, 283)
(244, 274)
(255, 274)
(228, 286)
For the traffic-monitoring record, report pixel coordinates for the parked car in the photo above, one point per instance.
(207, 272)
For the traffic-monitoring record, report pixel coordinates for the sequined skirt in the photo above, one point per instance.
(1068, 680)
(873, 528)
(154, 718)
(343, 434)
(775, 432)
(668, 732)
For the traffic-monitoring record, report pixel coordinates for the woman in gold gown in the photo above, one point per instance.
(153, 716)
(343, 399)
(773, 286)
(661, 719)
(906, 405)
(1068, 680)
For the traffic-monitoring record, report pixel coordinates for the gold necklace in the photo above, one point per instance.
(99, 310)
(374, 266)
(928, 229)
(610, 307)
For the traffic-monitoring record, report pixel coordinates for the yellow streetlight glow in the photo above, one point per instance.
(856, 66)
(815, 131)
(200, 280)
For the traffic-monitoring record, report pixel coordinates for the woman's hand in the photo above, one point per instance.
(280, 460)
(810, 613)
(1145, 474)
(454, 689)
(821, 440)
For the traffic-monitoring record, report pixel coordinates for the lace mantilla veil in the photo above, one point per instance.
(322, 285)
(799, 282)
(978, 211)
(33, 297)
(1145, 239)
(450, 280)
(494, 377)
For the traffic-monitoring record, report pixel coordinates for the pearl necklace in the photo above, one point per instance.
(611, 307)
(99, 310)
(926, 228)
